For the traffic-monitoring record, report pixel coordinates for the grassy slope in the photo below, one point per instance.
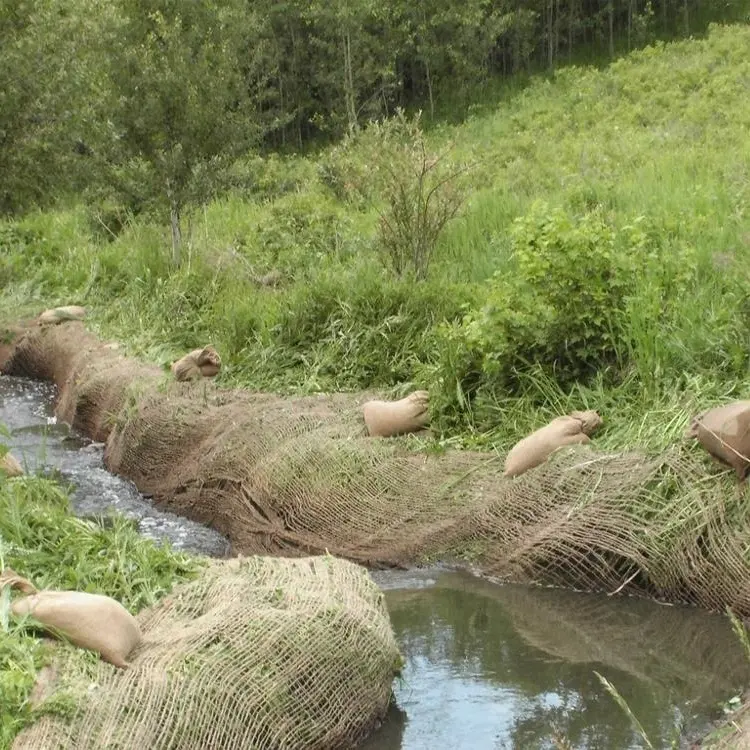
(660, 137)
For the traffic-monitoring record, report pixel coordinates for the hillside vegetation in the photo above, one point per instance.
(600, 257)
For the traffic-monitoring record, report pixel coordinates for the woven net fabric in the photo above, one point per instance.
(298, 476)
(260, 652)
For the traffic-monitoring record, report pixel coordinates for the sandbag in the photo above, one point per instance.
(61, 314)
(272, 278)
(90, 621)
(9, 577)
(10, 466)
(389, 418)
(725, 433)
(200, 363)
(536, 448)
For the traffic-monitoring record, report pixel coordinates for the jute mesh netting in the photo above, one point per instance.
(299, 475)
(264, 652)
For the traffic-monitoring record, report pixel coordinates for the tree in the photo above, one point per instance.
(421, 194)
(354, 46)
(46, 80)
(179, 71)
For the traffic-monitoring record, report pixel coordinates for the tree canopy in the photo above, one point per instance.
(153, 98)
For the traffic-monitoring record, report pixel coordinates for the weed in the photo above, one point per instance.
(420, 194)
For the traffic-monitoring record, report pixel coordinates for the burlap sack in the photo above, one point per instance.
(10, 466)
(272, 278)
(90, 621)
(47, 676)
(61, 314)
(725, 433)
(536, 448)
(9, 577)
(200, 363)
(389, 418)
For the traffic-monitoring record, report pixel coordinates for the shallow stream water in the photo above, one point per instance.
(490, 667)
(44, 445)
(487, 667)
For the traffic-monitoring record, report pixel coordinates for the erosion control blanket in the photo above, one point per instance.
(261, 652)
(300, 475)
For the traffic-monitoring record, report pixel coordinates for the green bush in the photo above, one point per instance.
(557, 303)
(417, 190)
(564, 305)
(29, 254)
(301, 226)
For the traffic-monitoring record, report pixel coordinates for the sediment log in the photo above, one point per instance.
(255, 653)
(300, 476)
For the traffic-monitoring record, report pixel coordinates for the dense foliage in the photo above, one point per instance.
(598, 257)
(145, 99)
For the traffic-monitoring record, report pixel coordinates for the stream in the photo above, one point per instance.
(487, 666)
(44, 445)
(495, 667)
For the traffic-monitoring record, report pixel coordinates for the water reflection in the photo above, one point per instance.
(491, 666)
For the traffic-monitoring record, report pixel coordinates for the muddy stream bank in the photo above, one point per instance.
(487, 666)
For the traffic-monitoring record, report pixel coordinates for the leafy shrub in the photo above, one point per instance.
(300, 225)
(20, 244)
(269, 176)
(418, 190)
(559, 304)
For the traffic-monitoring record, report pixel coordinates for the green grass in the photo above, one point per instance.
(634, 177)
(41, 540)
(631, 182)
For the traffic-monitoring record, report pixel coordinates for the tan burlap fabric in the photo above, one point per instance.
(197, 364)
(535, 449)
(724, 432)
(10, 465)
(389, 418)
(263, 652)
(90, 621)
(61, 315)
(300, 475)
